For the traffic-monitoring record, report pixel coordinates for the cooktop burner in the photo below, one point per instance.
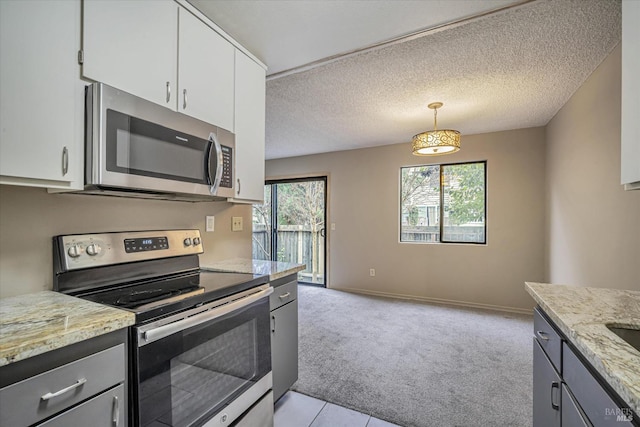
(137, 298)
(170, 294)
(133, 296)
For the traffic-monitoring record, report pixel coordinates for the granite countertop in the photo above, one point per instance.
(275, 269)
(582, 315)
(36, 323)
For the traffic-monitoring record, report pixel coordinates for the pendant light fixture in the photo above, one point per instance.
(436, 142)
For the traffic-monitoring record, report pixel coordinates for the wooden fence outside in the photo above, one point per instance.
(296, 246)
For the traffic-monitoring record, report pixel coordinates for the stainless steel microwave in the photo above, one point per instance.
(135, 148)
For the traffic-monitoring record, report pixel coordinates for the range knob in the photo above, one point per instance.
(187, 241)
(74, 251)
(94, 249)
(196, 241)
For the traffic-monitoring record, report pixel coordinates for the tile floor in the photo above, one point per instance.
(299, 410)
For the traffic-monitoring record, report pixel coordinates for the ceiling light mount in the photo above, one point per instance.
(436, 142)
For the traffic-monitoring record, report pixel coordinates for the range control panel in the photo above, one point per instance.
(92, 250)
(144, 244)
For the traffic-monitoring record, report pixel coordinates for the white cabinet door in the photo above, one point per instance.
(630, 94)
(41, 103)
(205, 72)
(132, 45)
(249, 129)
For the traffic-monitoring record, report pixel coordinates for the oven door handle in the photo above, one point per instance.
(179, 325)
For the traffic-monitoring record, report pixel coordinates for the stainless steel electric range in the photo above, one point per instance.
(200, 350)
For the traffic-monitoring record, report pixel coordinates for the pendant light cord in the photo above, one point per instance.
(435, 119)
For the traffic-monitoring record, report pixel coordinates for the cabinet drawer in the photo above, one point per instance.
(283, 294)
(30, 400)
(597, 404)
(104, 410)
(549, 339)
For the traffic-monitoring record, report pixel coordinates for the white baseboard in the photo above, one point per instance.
(439, 301)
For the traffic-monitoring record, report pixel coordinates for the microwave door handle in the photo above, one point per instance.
(165, 330)
(214, 154)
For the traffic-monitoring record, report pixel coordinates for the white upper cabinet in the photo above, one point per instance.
(41, 107)
(132, 45)
(160, 51)
(250, 86)
(630, 131)
(205, 72)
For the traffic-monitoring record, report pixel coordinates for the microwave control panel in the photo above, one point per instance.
(226, 180)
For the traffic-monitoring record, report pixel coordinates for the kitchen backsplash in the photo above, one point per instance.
(29, 217)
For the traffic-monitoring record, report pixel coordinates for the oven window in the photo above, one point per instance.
(187, 377)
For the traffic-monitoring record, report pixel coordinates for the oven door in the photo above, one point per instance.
(210, 362)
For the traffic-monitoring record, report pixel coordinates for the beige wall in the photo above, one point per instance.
(29, 217)
(593, 225)
(364, 205)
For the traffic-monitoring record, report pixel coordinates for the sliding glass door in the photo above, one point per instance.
(290, 226)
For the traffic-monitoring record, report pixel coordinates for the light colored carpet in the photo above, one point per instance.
(415, 364)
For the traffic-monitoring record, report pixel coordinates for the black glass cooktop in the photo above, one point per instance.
(154, 298)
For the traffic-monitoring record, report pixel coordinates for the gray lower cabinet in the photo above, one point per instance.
(284, 335)
(78, 385)
(567, 391)
(572, 415)
(546, 390)
(598, 405)
(104, 410)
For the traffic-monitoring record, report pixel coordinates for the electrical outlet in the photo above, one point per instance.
(211, 223)
(372, 272)
(236, 223)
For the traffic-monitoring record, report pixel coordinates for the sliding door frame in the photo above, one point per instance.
(274, 219)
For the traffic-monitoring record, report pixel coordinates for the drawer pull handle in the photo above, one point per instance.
(555, 385)
(116, 411)
(64, 390)
(283, 296)
(542, 335)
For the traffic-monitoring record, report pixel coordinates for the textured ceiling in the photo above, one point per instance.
(508, 70)
(285, 34)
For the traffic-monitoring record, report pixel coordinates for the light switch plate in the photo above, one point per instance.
(210, 223)
(236, 223)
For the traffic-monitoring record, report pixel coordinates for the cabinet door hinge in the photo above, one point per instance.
(80, 57)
